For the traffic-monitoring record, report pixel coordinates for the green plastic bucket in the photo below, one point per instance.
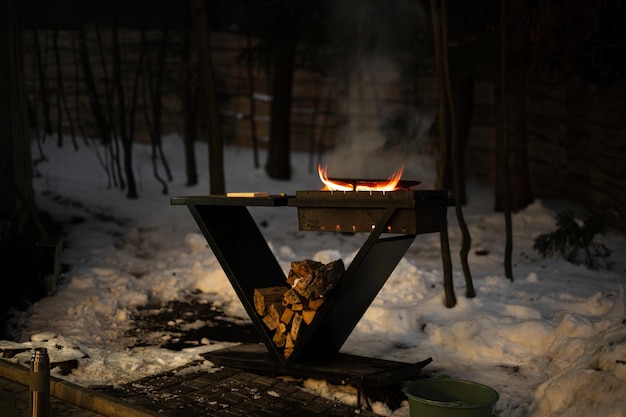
(443, 396)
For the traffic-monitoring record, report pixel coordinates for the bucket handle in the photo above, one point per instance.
(448, 404)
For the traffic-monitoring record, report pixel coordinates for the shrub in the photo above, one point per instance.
(574, 240)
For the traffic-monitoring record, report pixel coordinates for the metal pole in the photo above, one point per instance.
(39, 383)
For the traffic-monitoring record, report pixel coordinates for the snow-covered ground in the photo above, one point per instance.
(552, 342)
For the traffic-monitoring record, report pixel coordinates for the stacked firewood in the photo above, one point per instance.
(287, 309)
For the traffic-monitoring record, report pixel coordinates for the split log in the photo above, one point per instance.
(292, 297)
(287, 316)
(267, 296)
(289, 342)
(296, 324)
(282, 328)
(300, 269)
(270, 322)
(320, 281)
(276, 310)
(316, 303)
(308, 315)
(272, 318)
(279, 339)
(287, 311)
(287, 352)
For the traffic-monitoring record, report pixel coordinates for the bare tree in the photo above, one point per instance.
(153, 86)
(125, 121)
(447, 113)
(209, 95)
(466, 242)
(253, 131)
(44, 90)
(283, 47)
(448, 285)
(506, 192)
(61, 101)
(97, 110)
(189, 93)
(512, 150)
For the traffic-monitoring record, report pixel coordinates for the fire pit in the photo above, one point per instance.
(392, 219)
(411, 212)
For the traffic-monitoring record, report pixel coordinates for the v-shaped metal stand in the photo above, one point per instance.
(248, 262)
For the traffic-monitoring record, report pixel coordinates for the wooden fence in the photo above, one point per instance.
(577, 146)
(577, 134)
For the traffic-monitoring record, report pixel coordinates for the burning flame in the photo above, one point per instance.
(338, 185)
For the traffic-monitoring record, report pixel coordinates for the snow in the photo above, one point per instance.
(551, 343)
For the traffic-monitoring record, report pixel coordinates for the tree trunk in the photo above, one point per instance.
(508, 221)
(252, 85)
(153, 94)
(92, 92)
(450, 296)
(16, 188)
(463, 95)
(125, 137)
(456, 159)
(189, 99)
(442, 113)
(209, 95)
(43, 84)
(513, 128)
(284, 47)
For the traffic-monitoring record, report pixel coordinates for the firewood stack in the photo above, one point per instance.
(287, 310)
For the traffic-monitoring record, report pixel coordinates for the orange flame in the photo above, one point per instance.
(338, 185)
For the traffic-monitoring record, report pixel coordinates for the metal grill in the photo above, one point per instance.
(415, 212)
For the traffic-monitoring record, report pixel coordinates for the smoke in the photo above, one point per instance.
(382, 127)
(377, 153)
